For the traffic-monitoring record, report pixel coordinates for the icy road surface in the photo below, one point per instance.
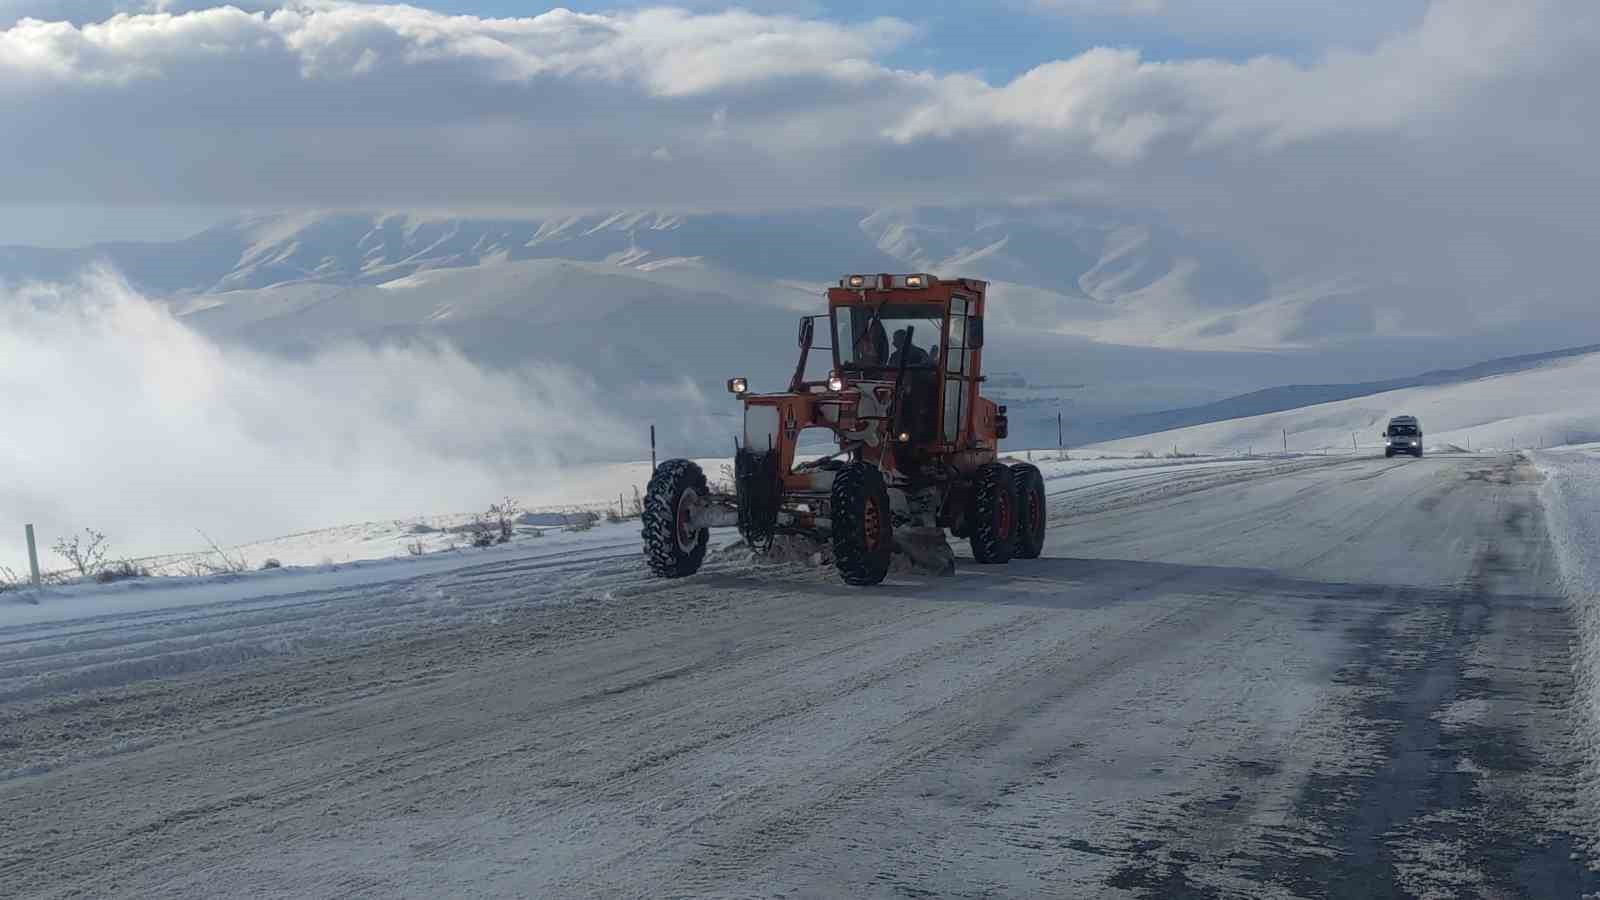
(1305, 678)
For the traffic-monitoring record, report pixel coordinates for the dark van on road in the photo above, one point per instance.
(1404, 435)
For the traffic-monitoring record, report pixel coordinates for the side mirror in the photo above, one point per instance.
(808, 330)
(975, 334)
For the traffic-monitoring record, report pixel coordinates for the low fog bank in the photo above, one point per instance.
(119, 417)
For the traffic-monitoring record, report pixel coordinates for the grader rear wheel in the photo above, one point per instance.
(1030, 510)
(863, 532)
(993, 531)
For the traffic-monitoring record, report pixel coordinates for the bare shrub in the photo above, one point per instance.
(505, 513)
(480, 531)
(121, 571)
(495, 526)
(271, 563)
(415, 548)
(85, 552)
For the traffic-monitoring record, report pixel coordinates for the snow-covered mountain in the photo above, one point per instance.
(1099, 256)
(1088, 272)
(1109, 276)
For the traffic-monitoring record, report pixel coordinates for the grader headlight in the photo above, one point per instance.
(835, 383)
(738, 386)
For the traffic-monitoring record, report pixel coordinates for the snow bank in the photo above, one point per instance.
(1571, 496)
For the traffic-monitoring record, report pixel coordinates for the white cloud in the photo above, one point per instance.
(1478, 118)
(666, 52)
(1120, 105)
(121, 418)
(85, 11)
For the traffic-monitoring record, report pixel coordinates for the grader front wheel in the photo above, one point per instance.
(863, 532)
(673, 547)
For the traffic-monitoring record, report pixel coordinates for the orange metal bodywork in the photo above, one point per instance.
(862, 406)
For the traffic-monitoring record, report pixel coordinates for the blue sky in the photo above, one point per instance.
(1004, 38)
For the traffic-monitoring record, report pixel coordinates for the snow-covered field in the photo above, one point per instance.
(553, 526)
(556, 512)
(1571, 495)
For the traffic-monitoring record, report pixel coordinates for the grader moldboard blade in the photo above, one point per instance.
(926, 549)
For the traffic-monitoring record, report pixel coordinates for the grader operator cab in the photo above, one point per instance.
(918, 447)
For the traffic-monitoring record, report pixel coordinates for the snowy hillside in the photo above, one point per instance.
(1549, 404)
(1093, 314)
(1294, 396)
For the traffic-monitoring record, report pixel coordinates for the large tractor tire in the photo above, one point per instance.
(673, 548)
(993, 532)
(1030, 510)
(863, 526)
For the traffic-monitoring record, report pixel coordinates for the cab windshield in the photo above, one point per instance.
(1403, 430)
(870, 337)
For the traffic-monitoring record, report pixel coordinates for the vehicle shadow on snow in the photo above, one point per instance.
(1086, 583)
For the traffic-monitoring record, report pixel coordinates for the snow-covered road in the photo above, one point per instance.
(1295, 678)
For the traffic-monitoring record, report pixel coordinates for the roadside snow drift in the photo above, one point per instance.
(1571, 496)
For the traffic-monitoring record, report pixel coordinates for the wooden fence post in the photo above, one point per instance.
(33, 556)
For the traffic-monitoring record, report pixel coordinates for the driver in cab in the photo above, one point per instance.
(913, 355)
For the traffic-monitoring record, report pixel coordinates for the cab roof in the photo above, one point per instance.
(872, 290)
(916, 281)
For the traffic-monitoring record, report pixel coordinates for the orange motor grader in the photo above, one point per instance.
(917, 445)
